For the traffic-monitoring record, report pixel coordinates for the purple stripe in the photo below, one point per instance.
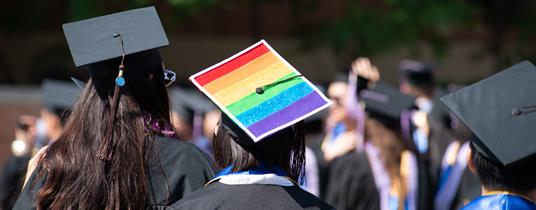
(294, 111)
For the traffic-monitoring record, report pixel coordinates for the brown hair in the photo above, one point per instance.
(390, 145)
(75, 177)
(284, 149)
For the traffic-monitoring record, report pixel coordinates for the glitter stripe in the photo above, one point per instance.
(231, 65)
(296, 110)
(255, 99)
(274, 104)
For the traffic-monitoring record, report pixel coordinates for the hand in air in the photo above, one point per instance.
(364, 68)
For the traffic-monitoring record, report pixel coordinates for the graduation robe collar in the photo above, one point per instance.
(502, 201)
(260, 175)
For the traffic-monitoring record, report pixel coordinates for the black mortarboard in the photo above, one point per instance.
(385, 101)
(58, 95)
(99, 39)
(500, 111)
(417, 73)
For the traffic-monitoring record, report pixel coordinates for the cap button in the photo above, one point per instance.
(259, 90)
(516, 112)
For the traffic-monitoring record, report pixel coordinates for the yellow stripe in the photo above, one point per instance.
(244, 71)
(248, 85)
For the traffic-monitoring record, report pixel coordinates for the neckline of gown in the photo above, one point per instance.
(504, 200)
(263, 175)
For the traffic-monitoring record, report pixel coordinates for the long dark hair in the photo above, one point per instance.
(284, 149)
(386, 136)
(76, 177)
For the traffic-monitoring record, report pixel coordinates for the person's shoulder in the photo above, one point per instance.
(173, 143)
(500, 201)
(221, 196)
(354, 159)
(200, 199)
(308, 200)
(174, 147)
(174, 153)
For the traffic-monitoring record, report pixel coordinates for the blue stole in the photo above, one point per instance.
(500, 202)
(337, 130)
(421, 141)
(451, 174)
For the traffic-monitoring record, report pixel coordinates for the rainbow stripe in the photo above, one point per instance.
(231, 85)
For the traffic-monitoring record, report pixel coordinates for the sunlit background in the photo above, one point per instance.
(465, 40)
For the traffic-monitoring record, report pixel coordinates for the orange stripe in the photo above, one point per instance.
(248, 85)
(232, 65)
(241, 73)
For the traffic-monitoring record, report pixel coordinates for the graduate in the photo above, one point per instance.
(340, 128)
(381, 174)
(499, 110)
(259, 141)
(456, 185)
(429, 123)
(425, 127)
(118, 149)
(58, 98)
(13, 170)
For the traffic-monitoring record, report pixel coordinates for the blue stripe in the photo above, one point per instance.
(274, 104)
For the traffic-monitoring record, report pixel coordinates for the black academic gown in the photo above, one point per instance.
(351, 183)
(250, 196)
(428, 166)
(11, 180)
(182, 168)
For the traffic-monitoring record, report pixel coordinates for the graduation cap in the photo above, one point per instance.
(59, 96)
(102, 38)
(117, 41)
(500, 111)
(416, 73)
(385, 101)
(259, 92)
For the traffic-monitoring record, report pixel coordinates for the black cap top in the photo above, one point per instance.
(501, 111)
(417, 73)
(386, 101)
(59, 95)
(99, 39)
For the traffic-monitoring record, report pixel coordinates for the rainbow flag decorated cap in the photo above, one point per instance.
(260, 91)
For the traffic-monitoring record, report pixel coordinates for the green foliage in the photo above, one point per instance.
(82, 9)
(370, 28)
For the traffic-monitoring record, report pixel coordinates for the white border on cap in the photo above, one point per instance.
(228, 113)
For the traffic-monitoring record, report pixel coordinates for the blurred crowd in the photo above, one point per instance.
(397, 145)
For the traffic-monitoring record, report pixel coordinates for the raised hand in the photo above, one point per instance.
(364, 68)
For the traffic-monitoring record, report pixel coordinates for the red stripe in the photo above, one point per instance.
(231, 65)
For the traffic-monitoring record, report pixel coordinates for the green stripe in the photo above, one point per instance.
(255, 99)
